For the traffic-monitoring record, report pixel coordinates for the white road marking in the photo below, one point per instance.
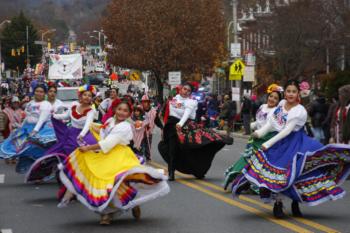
(6, 231)
(2, 180)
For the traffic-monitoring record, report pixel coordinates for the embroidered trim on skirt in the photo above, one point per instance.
(20, 143)
(196, 146)
(300, 168)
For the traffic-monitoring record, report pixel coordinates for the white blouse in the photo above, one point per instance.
(115, 134)
(262, 115)
(57, 105)
(38, 113)
(183, 108)
(284, 122)
(105, 105)
(83, 122)
(280, 117)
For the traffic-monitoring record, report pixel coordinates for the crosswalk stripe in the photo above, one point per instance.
(2, 180)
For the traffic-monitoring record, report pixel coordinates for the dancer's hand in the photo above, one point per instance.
(178, 127)
(80, 138)
(96, 128)
(33, 133)
(263, 147)
(83, 149)
(255, 135)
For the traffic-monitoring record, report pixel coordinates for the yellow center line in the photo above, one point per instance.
(255, 202)
(230, 201)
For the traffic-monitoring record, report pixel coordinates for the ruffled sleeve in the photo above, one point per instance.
(120, 134)
(298, 115)
(89, 119)
(45, 112)
(190, 111)
(296, 119)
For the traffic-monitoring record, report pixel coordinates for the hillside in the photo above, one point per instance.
(59, 14)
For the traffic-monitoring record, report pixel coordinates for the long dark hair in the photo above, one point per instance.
(40, 85)
(292, 82)
(280, 96)
(189, 85)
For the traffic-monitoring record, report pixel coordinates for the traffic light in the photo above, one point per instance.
(48, 44)
(22, 49)
(13, 52)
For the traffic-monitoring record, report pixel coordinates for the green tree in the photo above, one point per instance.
(14, 37)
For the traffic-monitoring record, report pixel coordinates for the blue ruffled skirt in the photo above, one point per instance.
(299, 167)
(27, 148)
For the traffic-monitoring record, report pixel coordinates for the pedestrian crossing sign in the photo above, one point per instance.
(237, 70)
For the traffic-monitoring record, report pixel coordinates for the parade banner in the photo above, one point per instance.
(65, 66)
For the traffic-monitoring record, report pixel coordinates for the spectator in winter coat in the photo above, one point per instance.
(246, 111)
(213, 110)
(318, 112)
(340, 126)
(228, 111)
(326, 124)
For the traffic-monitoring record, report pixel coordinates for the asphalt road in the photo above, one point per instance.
(193, 206)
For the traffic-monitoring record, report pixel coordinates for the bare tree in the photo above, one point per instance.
(183, 35)
(301, 34)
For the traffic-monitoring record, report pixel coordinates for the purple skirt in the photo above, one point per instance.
(45, 169)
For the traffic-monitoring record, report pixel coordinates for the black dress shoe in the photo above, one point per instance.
(171, 176)
(278, 210)
(242, 188)
(296, 210)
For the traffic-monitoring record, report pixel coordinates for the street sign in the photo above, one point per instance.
(236, 93)
(174, 78)
(39, 42)
(134, 76)
(237, 70)
(235, 49)
(250, 59)
(249, 74)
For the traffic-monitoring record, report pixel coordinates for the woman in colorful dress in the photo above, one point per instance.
(186, 146)
(107, 103)
(57, 104)
(293, 164)
(80, 116)
(107, 177)
(36, 134)
(15, 116)
(274, 97)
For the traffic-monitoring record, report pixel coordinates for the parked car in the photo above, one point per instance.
(99, 68)
(67, 95)
(98, 79)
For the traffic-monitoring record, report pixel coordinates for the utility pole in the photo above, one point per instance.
(28, 64)
(235, 40)
(0, 63)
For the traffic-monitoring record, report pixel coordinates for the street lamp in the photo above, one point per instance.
(5, 21)
(46, 32)
(42, 39)
(2, 23)
(99, 37)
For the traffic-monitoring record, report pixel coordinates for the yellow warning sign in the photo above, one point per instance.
(134, 76)
(237, 70)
